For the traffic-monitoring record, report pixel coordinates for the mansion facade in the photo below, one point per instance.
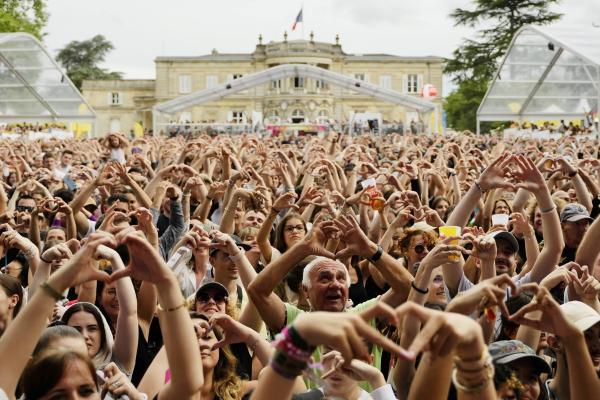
(119, 104)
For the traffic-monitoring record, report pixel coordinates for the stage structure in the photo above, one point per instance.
(34, 89)
(164, 112)
(548, 74)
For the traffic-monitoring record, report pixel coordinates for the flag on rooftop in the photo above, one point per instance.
(298, 19)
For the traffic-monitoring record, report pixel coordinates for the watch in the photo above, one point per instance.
(375, 257)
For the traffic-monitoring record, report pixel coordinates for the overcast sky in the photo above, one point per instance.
(141, 30)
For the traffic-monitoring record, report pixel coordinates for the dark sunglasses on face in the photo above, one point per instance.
(420, 248)
(217, 297)
(25, 208)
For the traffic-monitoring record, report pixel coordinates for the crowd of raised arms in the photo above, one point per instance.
(355, 267)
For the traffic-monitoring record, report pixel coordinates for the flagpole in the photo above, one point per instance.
(302, 11)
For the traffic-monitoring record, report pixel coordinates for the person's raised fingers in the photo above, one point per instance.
(379, 310)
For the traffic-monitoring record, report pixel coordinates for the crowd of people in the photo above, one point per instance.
(355, 267)
(26, 127)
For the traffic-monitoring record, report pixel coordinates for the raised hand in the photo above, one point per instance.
(347, 332)
(496, 174)
(357, 243)
(314, 242)
(530, 177)
(233, 331)
(284, 201)
(520, 224)
(443, 253)
(552, 319)
(488, 293)
(484, 248)
(443, 332)
(81, 268)
(145, 263)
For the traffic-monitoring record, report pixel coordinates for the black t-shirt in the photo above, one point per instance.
(567, 255)
(146, 350)
(357, 292)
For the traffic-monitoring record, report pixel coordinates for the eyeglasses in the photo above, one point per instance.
(25, 208)
(292, 228)
(420, 248)
(217, 297)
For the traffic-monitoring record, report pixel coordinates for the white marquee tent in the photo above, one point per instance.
(548, 73)
(33, 87)
(168, 109)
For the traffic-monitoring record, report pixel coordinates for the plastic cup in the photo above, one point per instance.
(378, 204)
(368, 183)
(450, 231)
(500, 219)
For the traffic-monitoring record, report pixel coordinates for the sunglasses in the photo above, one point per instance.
(217, 297)
(420, 248)
(25, 208)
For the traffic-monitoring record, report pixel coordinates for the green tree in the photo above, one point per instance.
(473, 64)
(23, 16)
(81, 59)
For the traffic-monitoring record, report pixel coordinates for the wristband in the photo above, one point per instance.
(422, 291)
(51, 291)
(297, 340)
(160, 308)
(548, 210)
(47, 262)
(479, 187)
(375, 257)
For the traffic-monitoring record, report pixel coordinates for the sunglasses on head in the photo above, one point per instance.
(217, 297)
(420, 248)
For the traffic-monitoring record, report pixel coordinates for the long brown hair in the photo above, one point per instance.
(279, 239)
(42, 373)
(227, 385)
(12, 286)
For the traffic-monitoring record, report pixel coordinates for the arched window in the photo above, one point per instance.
(323, 117)
(297, 116)
(273, 117)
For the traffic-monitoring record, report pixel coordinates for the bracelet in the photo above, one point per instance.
(375, 257)
(42, 258)
(548, 210)
(160, 308)
(471, 389)
(425, 291)
(479, 187)
(286, 366)
(481, 359)
(297, 340)
(51, 291)
(488, 367)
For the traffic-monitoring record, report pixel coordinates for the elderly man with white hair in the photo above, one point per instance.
(325, 280)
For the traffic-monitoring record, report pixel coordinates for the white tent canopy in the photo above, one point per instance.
(548, 73)
(290, 70)
(32, 85)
